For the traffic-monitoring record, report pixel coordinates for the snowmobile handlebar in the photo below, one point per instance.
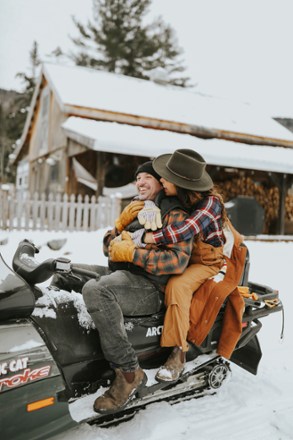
(34, 272)
(25, 264)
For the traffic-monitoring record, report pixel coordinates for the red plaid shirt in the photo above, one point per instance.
(166, 259)
(205, 220)
(160, 260)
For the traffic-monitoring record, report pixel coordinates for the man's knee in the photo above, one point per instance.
(95, 294)
(90, 293)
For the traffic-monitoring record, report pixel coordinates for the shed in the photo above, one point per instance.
(109, 123)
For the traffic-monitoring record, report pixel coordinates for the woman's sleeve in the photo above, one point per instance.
(193, 225)
(177, 232)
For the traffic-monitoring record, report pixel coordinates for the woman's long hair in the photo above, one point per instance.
(189, 198)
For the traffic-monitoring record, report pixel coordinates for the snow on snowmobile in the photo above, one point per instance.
(50, 355)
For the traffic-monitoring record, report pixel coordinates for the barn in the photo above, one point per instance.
(87, 131)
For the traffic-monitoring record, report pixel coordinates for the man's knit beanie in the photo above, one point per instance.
(147, 167)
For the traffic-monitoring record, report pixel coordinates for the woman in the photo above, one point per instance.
(183, 174)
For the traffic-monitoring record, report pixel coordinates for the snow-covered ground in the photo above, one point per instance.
(247, 407)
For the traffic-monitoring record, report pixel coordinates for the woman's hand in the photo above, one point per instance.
(150, 216)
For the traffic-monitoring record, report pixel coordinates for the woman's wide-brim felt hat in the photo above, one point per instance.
(185, 169)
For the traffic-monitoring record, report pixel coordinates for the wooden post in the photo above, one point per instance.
(281, 181)
(43, 213)
(86, 207)
(65, 212)
(57, 219)
(282, 206)
(68, 174)
(72, 206)
(35, 210)
(100, 172)
(92, 214)
(79, 207)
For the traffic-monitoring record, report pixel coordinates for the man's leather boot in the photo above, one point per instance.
(173, 367)
(123, 388)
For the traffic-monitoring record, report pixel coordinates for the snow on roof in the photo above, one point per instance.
(88, 88)
(133, 140)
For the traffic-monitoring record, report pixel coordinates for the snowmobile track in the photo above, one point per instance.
(194, 384)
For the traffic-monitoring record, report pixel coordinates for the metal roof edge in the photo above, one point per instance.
(178, 127)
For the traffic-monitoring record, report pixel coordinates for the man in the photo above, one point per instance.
(127, 220)
(135, 287)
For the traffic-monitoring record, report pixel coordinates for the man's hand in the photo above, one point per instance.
(122, 250)
(136, 237)
(150, 216)
(128, 214)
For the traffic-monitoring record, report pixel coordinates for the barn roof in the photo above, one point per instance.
(102, 95)
(139, 141)
(86, 88)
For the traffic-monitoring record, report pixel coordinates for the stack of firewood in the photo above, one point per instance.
(289, 206)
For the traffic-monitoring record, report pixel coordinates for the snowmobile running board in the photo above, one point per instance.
(197, 381)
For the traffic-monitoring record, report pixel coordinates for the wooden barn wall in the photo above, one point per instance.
(47, 148)
(39, 142)
(57, 137)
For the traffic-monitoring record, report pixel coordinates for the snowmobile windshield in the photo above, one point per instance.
(16, 297)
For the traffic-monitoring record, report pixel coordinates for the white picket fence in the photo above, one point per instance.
(57, 213)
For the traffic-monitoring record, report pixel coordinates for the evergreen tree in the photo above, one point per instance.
(6, 141)
(12, 117)
(3, 142)
(118, 41)
(20, 107)
(30, 79)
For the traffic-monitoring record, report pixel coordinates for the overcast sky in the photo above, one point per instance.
(240, 49)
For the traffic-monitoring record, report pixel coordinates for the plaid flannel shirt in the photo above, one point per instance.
(165, 259)
(160, 259)
(205, 220)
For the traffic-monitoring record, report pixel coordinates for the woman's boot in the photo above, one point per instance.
(173, 367)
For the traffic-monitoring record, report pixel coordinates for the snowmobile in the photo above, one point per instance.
(50, 355)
